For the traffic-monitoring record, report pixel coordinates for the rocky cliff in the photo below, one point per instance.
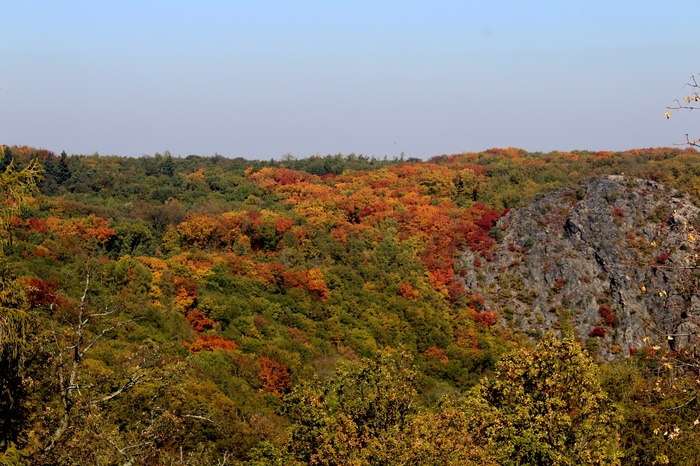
(614, 261)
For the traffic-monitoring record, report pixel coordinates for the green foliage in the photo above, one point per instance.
(14, 338)
(310, 273)
(347, 419)
(15, 187)
(546, 406)
(133, 238)
(657, 394)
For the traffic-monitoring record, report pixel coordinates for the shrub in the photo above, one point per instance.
(607, 314)
(488, 318)
(211, 343)
(199, 321)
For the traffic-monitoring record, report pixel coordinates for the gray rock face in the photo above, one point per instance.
(614, 262)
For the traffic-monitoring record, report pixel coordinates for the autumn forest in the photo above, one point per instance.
(194, 310)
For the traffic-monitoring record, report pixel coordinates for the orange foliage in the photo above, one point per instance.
(211, 343)
(440, 278)
(271, 179)
(437, 353)
(488, 318)
(311, 280)
(407, 291)
(16, 222)
(37, 224)
(261, 230)
(85, 228)
(185, 291)
(274, 376)
(466, 338)
(419, 197)
(317, 285)
(283, 224)
(199, 321)
(95, 227)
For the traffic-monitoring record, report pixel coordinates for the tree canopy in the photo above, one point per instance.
(206, 310)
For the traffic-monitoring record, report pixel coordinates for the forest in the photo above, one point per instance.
(168, 310)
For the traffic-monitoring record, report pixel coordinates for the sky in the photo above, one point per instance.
(264, 79)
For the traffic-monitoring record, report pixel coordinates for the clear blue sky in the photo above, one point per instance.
(260, 79)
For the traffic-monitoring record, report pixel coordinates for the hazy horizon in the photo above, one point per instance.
(264, 79)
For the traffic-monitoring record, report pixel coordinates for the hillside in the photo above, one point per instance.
(614, 260)
(203, 310)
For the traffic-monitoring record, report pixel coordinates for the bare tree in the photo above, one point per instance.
(74, 333)
(690, 102)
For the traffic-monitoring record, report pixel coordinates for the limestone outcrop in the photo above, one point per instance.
(614, 260)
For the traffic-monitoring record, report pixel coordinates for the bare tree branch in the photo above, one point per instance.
(70, 358)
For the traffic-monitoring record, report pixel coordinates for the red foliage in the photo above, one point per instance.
(479, 242)
(488, 220)
(662, 258)
(286, 176)
(477, 262)
(211, 343)
(618, 213)
(607, 314)
(42, 292)
(274, 376)
(365, 212)
(477, 301)
(488, 318)
(199, 321)
(558, 286)
(455, 289)
(511, 247)
(597, 332)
